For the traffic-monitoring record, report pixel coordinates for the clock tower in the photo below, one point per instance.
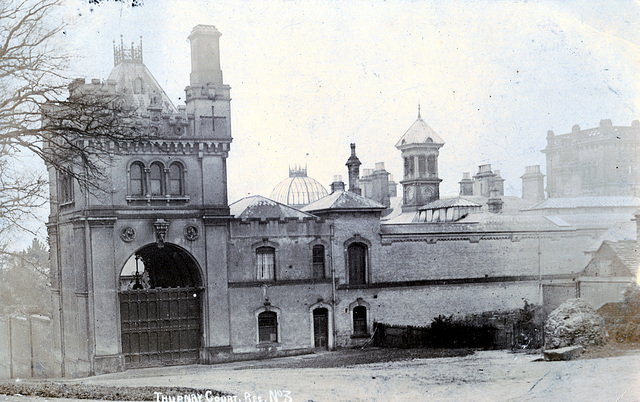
(420, 146)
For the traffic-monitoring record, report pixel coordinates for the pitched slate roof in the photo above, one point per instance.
(419, 133)
(259, 207)
(343, 201)
(450, 202)
(585, 202)
(614, 259)
(628, 253)
(622, 231)
(125, 75)
(482, 222)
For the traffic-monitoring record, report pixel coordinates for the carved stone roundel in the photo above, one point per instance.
(128, 234)
(191, 232)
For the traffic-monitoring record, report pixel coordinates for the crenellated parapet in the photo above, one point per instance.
(163, 123)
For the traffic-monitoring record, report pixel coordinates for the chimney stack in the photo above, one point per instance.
(353, 164)
(338, 184)
(205, 56)
(495, 202)
(466, 184)
(533, 184)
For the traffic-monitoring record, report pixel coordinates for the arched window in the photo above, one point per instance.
(267, 327)
(360, 320)
(266, 263)
(357, 263)
(176, 182)
(66, 187)
(431, 162)
(422, 166)
(409, 166)
(318, 262)
(136, 178)
(155, 178)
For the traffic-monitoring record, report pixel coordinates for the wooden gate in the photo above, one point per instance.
(160, 326)
(321, 328)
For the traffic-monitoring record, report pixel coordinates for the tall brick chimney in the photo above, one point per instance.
(353, 164)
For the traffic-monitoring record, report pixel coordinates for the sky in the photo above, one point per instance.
(310, 77)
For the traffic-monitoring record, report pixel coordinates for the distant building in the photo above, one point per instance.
(601, 161)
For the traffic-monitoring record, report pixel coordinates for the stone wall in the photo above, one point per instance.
(26, 348)
(419, 305)
(293, 303)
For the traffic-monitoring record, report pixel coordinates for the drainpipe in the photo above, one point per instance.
(333, 288)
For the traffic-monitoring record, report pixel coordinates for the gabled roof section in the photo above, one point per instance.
(614, 259)
(419, 133)
(134, 78)
(628, 253)
(344, 201)
(141, 87)
(259, 207)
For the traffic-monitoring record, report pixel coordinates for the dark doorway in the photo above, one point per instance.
(160, 316)
(360, 321)
(321, 328)
(357, 260)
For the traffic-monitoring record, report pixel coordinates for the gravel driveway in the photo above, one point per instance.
(483, 376)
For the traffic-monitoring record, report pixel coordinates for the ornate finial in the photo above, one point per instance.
(298, 171)
(419, 111)
(120, 54)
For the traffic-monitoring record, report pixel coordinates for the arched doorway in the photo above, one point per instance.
(321, 328)
(160, 307)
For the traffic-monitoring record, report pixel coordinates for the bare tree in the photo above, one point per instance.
(68, 128)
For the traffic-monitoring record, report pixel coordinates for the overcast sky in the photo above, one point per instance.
(308, 78)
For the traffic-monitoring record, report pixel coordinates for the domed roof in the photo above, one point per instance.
(298, 189)
(419, 133)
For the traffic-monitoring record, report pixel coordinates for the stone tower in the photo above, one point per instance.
(154, 245)
(420, 147)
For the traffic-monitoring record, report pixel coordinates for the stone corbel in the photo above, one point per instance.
(162, 227)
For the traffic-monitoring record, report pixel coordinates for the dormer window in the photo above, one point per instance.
(137, 86)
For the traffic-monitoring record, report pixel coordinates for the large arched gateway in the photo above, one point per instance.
(160, 307)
